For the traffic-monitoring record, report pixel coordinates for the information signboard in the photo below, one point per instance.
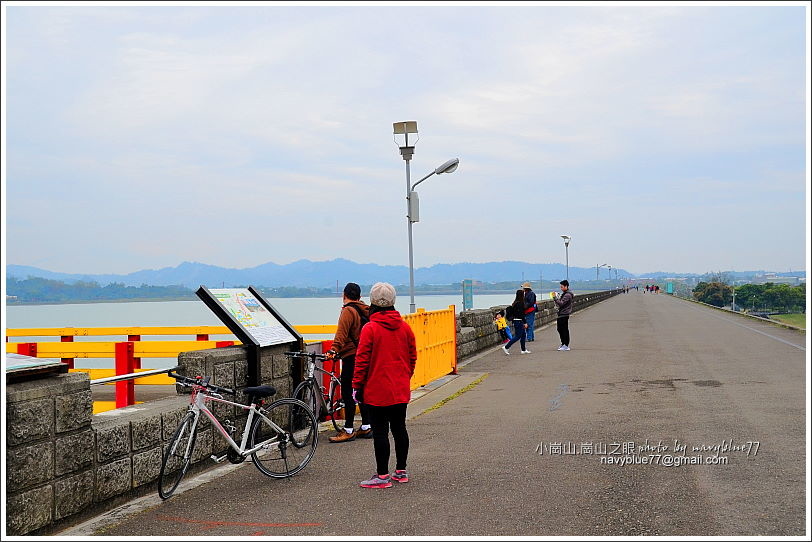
(249, 316)
(467, 294)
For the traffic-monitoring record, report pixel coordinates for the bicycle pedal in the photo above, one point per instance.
(219, 459)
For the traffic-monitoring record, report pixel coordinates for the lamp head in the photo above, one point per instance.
(406, 127)
(448, 167)
(566, 239)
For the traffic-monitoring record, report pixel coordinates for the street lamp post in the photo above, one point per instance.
(412, 200)
(567, 239)
(597, 270)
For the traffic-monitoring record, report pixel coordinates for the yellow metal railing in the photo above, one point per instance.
(435, 336)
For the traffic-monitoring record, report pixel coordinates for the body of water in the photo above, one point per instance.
(298, 311)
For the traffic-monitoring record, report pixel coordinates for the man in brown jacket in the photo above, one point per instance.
(344, 346)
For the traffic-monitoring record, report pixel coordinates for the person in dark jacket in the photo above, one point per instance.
(515, 312)
(529, 311)
(345, 343)
(564, 304)
(384, 365)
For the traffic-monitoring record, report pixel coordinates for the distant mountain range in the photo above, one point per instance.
(307, 273)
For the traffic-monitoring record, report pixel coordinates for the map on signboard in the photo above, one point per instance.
(253, 316)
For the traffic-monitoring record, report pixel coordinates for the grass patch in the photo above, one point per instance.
(797, 320)
(469, 387)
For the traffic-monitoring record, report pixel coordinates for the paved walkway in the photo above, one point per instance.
(642, 366)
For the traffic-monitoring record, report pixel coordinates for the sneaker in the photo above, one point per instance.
(565, 348)
(377, 482)
(401, 476)
(343, 436)
(363, 433)
(526, 352)
(505, 350)
(561, 347)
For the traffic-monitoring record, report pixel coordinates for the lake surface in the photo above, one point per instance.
(298, 311)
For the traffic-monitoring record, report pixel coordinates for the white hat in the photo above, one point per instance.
(382, 294)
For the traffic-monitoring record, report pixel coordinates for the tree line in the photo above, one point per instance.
(39, 290)
(768, 297)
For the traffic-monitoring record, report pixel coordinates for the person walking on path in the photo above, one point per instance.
(515, 312)
(564, 304)
(384, 365)
(348, 331)
(529, 311)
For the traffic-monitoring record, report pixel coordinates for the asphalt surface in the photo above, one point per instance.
(492, 460)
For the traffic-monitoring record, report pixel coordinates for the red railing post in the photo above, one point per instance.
(27, 349)
(67, 339)
(202, 337)
(136, 361)
(221, 344)
(125, 390)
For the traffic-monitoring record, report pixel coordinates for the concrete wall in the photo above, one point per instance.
(64, 464)
(476, 330)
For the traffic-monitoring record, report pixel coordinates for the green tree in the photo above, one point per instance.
(713, 293)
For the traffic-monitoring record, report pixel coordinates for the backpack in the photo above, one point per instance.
(364, 319)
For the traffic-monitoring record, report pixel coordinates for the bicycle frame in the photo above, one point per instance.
(334, 383)
(198, 405)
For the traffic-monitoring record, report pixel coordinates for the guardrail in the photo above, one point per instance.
(435, 335)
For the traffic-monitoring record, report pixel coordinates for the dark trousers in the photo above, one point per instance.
(519, 335)
(347, 370)
(563, 326)
(384, 418)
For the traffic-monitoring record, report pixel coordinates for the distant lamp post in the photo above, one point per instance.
(567, 240)
(597, 270)
(412, 200)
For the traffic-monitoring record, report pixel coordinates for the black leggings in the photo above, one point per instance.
(563, 325)
(383, 418)
(347, 370)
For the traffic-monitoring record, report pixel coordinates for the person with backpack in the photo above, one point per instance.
(515, 312)
(530, 310)
(384, 365)
(354, 315)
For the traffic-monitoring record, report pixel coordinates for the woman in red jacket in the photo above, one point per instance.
(384, 365)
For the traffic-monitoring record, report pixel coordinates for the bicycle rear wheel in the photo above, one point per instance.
(335, 405)
(178, 456)
(289, 443)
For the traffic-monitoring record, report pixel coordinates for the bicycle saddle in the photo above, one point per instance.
(260, 391)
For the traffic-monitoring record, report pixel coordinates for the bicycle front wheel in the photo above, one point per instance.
(306, 393)
(287, 433)
(178, 456)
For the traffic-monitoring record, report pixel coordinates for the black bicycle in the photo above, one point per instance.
(322, 401)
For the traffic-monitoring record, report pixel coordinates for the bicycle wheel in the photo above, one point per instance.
(335, 405)
(178, 456)
(289, 443)
(306, 393)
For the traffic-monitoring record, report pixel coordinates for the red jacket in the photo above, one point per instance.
(385, 360)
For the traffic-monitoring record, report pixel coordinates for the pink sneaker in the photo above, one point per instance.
(377, 481)
(401, 476)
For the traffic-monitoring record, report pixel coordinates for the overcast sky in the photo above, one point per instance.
(661, 138)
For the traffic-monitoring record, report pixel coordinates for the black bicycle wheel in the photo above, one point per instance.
(335, 405)
(306, 393)
(178, 456)
(288, 444)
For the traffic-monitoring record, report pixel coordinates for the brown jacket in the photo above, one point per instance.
(348, 331)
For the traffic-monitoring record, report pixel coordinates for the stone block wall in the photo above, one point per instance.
(476, 331)
(65, 464)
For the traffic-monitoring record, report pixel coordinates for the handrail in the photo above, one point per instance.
(130, 376)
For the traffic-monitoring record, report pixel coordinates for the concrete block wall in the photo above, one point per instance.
(65, 464)
(476, 331)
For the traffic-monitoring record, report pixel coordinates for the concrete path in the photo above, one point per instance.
(498, 458)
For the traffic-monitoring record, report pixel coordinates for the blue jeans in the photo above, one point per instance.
(530, 318)
(519, 335)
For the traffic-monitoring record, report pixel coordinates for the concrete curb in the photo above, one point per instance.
(727, 311)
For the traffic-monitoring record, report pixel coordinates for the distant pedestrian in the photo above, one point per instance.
(384, 365)
(515, 312)
(529, 311)
(345, 343)
(564, 304)
(657, 289)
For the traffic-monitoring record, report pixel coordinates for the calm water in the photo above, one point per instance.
(298, 311)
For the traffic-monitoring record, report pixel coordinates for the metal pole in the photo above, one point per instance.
(409, 220)
(567, 252)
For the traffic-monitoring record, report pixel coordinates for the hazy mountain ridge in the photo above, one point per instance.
(325, 274)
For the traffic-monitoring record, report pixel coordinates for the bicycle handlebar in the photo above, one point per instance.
(200, 381)
(312, 355)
